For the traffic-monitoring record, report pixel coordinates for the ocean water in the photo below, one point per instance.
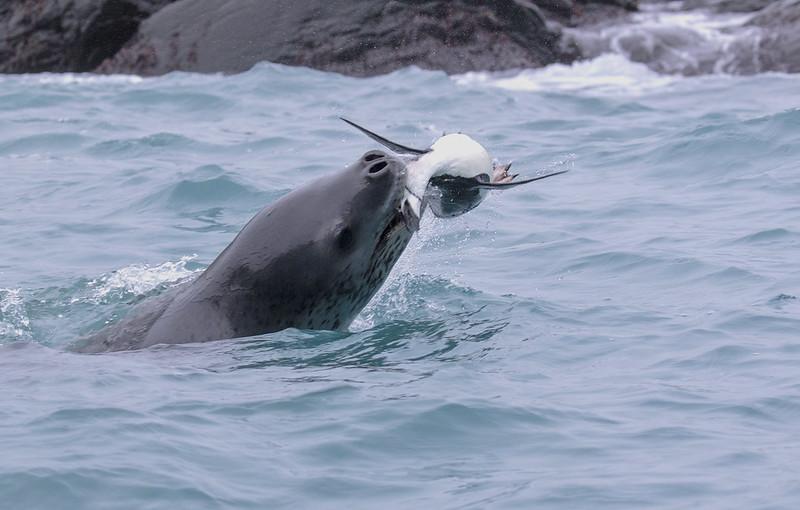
(626, 335)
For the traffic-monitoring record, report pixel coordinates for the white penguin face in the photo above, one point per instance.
(456, 155)
(460, 156)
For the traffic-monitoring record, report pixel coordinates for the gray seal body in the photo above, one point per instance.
(311, 260)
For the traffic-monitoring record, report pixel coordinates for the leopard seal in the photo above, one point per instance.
(311, 260)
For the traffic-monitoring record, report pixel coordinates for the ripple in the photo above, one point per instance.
(779, 124)
(782, 300)
(198, 194)
(84, 415)
(775, 235)
(384, 346)
(662, 434)
(612, 262)
(732, 275)
(20, 101)
(63, 488)
(140, 147)
(173, 101)
(45, 142)
(760, 324)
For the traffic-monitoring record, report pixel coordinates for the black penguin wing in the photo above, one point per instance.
(393, 146)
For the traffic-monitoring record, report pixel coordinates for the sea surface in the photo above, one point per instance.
(626, 335)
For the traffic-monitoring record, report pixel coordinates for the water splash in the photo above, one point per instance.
(139, 279)
(671, 40)
(607, 74)
(14, 321)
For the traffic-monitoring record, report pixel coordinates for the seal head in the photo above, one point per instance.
(311, 260)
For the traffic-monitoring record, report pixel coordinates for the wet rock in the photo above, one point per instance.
(574, 12)
(358, 38)
(628, 5)
(67, 35)
(697, 37)
(731, 6)
(779, 43)
(361, 37)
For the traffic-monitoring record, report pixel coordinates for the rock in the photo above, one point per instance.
(567, 10)
(727, 5)
(628, 5)
(561, 9)
(667, 49)
(67, 35)
(658, 38)
(593, 15)
(779, 43)
(359, 38)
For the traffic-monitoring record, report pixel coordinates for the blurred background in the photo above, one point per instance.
(364, 38)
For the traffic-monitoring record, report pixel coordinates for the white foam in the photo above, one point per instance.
(14, 322)
(75, 78)
(606, 74)
(704, 23)
(141, 278)
(669, 39)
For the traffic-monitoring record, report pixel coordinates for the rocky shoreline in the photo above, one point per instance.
(367, 37)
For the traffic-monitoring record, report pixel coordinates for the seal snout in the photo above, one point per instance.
(377, 167)
(377, 163)
(373, 155)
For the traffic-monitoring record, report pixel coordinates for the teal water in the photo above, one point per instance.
(626, 335)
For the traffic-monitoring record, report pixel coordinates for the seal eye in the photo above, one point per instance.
(345, 239)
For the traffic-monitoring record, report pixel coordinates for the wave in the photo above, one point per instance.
(607, 74)
(43, 143)
(143, 146)
(775, 236)
(73, 79)
(190, 194)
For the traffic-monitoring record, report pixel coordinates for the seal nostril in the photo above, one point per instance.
(372, 157)
(377, 167)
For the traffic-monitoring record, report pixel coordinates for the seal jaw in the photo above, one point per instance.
(410, 218)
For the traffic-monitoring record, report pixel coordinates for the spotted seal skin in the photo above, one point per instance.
(311, 260)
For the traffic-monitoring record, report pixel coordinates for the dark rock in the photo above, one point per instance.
(580, 12)
(561, 9)
(358, 37)
(628, 5)
(67, 35)
(598, 14)
(727, 5)
(779, 44)
(779, 15)
(362, 37)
